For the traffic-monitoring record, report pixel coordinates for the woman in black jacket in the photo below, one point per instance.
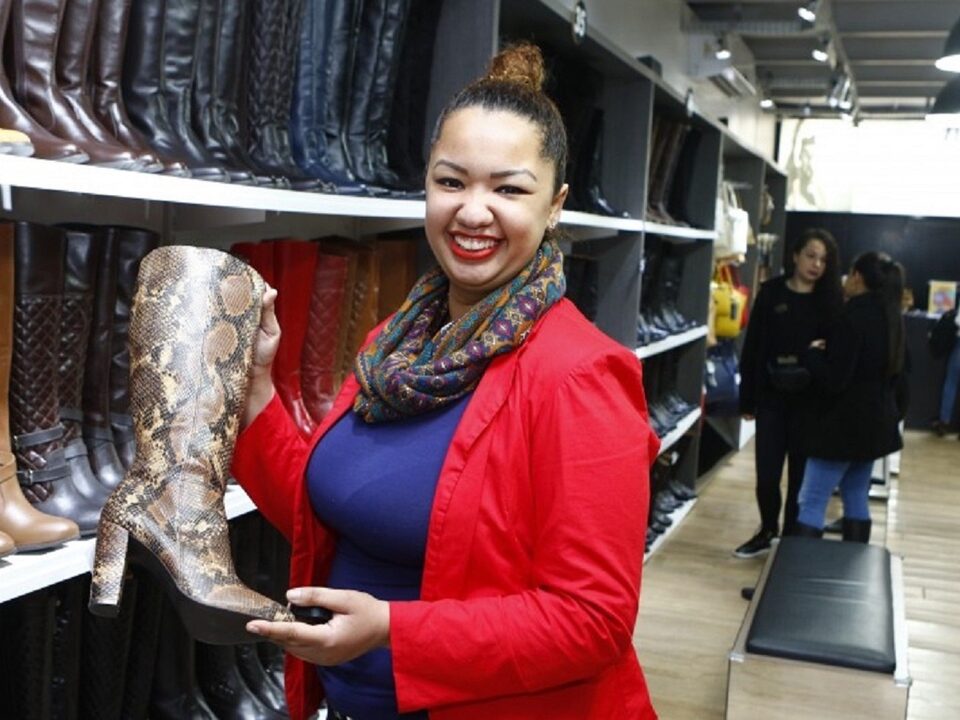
(790, 311)
(856, 420)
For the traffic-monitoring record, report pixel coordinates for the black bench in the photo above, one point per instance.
(824, 636)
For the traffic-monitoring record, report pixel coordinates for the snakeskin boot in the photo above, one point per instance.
(192, 324)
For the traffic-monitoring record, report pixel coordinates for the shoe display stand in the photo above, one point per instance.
(618, 234)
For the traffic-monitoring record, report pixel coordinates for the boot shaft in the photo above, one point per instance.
(6, 330)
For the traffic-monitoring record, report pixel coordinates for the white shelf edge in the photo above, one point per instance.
(24, 573)
(679, 231)
(671, 342)
(575, 217)
(677, 516)
(671, 438)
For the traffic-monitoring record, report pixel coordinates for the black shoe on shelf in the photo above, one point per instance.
(747, 593)
(756, 546)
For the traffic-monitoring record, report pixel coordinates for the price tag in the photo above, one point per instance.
(578, 22)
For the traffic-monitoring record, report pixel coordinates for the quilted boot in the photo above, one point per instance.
(97, 432)
(318, 359)
(144, 85)
(14, 117)
(192, 324)
(106, 652)
(144, 641)
(26, 655)
(26, 526)
(109, 43)
(360, 302)
(272, 48)
(74, 55)
(34, 397)
(223, 686)
(67, 653)
(36, 37)
(132, 245)
(80, 278)
(295, 263)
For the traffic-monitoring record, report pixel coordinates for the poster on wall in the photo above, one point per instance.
(942, 297)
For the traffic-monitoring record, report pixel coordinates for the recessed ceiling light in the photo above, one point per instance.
(808, 12)
(950, 59)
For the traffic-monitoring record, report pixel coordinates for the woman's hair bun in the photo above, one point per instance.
(521, 64)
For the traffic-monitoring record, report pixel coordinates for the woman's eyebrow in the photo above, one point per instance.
(508, 173)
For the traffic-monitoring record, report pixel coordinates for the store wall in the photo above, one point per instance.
(659, 28)
(904, 167)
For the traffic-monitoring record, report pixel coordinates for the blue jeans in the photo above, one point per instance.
(820, 477)
(950, 383)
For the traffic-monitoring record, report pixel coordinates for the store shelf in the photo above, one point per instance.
(679, 231)
(669, 343)
(575, 218)
(679, 431)
(23, 573)
(676, 517)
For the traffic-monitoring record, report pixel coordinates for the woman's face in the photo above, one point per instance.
(811, 262)
(853, 284)
(489, 200)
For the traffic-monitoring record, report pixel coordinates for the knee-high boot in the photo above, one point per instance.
(192, 325)
(34, 388)
(109, 46)
(27, 527)
(132, 245)
(801, 530)
(318, 359)
(856, 530)
(36, 35)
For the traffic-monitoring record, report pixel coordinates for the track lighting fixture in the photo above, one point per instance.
(722, 52)
(821, 53)
(950, 59)
(808, 11)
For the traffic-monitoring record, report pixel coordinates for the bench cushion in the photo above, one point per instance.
(827, 602)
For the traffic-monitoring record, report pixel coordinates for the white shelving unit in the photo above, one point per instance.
(671, 342)
(676, 517)
(23, 573)
(679, 431)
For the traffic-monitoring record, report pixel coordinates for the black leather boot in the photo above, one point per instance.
(224, 688)
(801, 530)
(592, 168)
(132, 245)
(376, 66)
(109, 44)
(205, 91)
(144, 640)
(274, 35)
(35, 427)
(175, 695)
(80, 279)
(97, 433)
(26, 655)
(856, 530)
(309, 102)
(144, 70)
(73, 72)
(67, 654)
(36, 34)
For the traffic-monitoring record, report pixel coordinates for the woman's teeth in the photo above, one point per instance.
(473, 243)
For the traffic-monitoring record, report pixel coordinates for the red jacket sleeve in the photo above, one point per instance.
(268, 461)
(589, 451)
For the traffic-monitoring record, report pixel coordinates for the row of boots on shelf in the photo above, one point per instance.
(659, 316)
(667, 494)
(665, 404)
(59, 661)
(280, 93)
(64, 402)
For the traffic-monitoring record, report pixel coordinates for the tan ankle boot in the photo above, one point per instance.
(192, 324)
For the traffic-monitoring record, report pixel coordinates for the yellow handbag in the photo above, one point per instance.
(729, 303)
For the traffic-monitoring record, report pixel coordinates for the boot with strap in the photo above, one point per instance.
(35, 43)
(192, 325)
(35, 427)
(26, 526)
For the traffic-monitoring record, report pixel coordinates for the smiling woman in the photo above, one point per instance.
(472, 510)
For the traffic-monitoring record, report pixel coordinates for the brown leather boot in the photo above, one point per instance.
(318, 360)
(133, 244)
(36, 432)
(29, 528)
(36, 29)
(192, 324)
(7, 545)
(46, 145)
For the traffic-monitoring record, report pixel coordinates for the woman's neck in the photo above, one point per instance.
(799, 285)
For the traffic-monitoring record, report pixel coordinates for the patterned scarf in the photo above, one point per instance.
(416, 364)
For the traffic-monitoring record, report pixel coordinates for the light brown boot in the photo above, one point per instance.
(192, 324)
(7, 545)
(29, 528)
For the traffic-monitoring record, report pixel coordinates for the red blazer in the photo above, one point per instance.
(535, 543)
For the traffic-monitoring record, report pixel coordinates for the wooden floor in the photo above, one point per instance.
(690, 606)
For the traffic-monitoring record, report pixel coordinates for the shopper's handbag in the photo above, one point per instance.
(943, 335)
(729, 303)
(788, 376)
(722, 379)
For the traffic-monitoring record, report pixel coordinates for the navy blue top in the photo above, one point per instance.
(373, 485)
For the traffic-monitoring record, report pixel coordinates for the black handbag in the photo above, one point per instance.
(788, 376)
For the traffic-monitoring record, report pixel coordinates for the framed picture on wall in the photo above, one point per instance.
(942, 297)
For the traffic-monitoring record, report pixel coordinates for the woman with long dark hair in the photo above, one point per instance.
(790, 311)
(856, 421)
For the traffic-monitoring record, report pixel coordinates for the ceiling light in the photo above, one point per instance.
(767, 104)
(946, 108)
(821, 53)
(722, 52)
(950, 60)
(808, 11)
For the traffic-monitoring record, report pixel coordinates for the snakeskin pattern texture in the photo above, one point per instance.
(194, 317)
(318, 362)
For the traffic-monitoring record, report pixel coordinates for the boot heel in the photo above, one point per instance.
(109, 565)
